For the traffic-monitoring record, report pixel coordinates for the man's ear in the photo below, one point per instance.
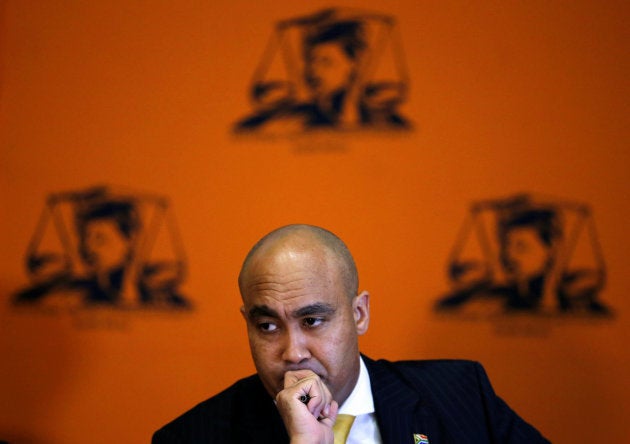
(361, 311)
(243, 313)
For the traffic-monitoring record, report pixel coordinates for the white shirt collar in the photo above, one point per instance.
(360, 401)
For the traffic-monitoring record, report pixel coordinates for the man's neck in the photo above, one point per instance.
(360, 400)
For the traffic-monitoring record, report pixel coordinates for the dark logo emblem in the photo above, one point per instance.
(526, 255)
(333, 69)
(98, 247)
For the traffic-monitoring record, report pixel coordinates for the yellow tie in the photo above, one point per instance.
(341, 429)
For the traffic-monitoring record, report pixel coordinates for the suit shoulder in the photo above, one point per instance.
(224, 400)
(431, 366)
(459, 393)
(216, 412)
(435, 364)
(430, 374)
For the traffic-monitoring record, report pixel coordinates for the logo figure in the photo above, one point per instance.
(528, 255)
(334, 69)
(99, 247)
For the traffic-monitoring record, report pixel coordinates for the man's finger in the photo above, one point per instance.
(292, 377)
(307, 387)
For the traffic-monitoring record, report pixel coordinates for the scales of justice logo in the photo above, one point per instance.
(526, 255)
(335, 69)
(104, 248)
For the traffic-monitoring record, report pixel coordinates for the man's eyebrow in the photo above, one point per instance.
(260, 311)
(314, 309)
(317, 309)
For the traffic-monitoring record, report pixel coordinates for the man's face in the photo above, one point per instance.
(526, 253)
(105, 245)
(328, 68)
(299, 317)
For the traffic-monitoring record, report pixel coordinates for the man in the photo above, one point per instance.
(527, 241)
(332, 58)
(331, 55)
(303, 311)
(107, 231)
(527, 247)
(335, 53)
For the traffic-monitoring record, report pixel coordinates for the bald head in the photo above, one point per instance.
(305, 239)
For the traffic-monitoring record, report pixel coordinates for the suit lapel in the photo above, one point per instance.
(400, 410)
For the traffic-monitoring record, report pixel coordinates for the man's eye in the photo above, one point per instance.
(313, 322)
(267, 326)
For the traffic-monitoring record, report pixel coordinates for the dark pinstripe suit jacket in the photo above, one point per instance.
(450, 401)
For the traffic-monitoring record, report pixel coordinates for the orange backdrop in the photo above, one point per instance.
(506, 97)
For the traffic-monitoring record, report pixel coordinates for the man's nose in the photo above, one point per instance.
(296, 347)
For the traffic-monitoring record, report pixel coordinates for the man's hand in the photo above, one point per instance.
(311, 422)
